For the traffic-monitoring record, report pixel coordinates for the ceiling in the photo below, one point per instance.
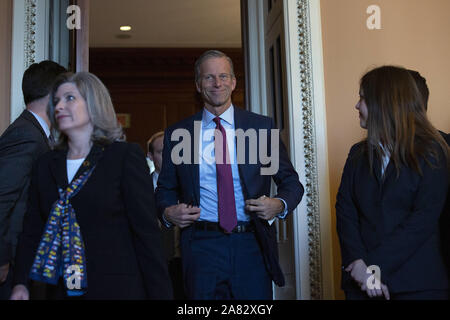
(166, 23)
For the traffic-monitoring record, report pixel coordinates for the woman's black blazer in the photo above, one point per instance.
(116, 213)
(393, 222)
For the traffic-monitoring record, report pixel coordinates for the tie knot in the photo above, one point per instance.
(217, 121)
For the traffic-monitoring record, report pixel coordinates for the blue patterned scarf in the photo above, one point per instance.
(61, 250)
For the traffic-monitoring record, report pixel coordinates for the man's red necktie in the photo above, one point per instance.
(225, 187)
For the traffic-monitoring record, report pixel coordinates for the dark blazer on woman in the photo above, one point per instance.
(116, 213)
(393, 222)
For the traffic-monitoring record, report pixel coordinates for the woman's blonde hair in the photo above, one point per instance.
(101, 112)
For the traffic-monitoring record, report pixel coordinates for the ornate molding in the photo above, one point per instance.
(310, 151)
(30, 32)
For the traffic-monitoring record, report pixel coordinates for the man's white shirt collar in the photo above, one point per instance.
(42, 123)
(155, 179)
(227, 116)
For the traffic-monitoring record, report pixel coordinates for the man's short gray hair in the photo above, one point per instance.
(208, 55)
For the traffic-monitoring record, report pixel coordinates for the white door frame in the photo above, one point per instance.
(30, 43)
(307, 130)
(32, 25)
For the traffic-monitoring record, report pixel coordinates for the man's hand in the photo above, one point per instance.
(264, 207)
(4, 269)
(182, 215)
(20, 292)
(358, 271)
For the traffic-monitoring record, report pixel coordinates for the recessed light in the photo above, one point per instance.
(125, 28)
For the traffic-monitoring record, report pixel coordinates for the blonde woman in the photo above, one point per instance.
(91, 230)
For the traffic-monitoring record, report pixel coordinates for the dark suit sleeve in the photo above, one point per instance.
(347, 220)
(421, 223)
(33, 226)
(167, 192)
(288, 184)
(17, 152)
(137, 188)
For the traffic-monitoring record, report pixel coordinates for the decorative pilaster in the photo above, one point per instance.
(310, 151)
(30, 33)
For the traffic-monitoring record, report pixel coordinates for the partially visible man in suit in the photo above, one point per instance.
(421, 84)
(219, 192)
(21, 144)
(171, 236)
(154, 153)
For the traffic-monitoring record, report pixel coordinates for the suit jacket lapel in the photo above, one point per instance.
(58, 168)
(241, 123)
(91, 159)
(377, 170)
(58, 164)
(388, 171)
(382, 177)
(194, 167)
(28, 116)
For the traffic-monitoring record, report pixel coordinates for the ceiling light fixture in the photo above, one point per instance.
(125, 28)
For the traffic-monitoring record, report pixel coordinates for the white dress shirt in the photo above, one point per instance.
(42, 122)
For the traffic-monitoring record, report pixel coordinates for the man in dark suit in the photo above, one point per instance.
(216, 189)
(20, 145)
(171, 236)
(154, 153)
(421, 83)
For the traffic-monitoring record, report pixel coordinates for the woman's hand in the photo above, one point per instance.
(358, 272)
(377, 292)
(20, 292)
(4, 272)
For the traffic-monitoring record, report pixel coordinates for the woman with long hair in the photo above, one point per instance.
(91, 230)
(392, 194)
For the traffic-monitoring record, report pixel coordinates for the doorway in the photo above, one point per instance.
(149, 68)
(152, 85)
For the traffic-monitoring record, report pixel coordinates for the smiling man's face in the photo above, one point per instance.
(216, 84)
